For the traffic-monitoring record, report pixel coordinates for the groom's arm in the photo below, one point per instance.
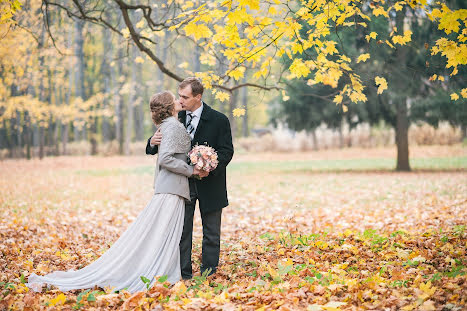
(151, 149)
(225, 148)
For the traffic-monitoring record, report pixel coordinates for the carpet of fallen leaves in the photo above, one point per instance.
(291, 240)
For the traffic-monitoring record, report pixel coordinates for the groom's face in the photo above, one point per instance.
(187, 100)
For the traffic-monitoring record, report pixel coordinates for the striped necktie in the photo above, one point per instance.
(189, 128)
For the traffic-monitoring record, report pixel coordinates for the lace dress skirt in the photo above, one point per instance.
(149, 248)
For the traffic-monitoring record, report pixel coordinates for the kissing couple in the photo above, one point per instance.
(159, 241)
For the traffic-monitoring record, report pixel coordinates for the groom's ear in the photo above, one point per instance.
(198, 96)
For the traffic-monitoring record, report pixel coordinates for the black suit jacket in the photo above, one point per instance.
(213, 130)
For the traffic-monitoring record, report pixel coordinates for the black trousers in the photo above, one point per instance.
(211, 237)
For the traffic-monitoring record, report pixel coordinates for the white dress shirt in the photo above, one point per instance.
(196, 118)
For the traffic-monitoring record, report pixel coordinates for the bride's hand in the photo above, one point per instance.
(196, 171)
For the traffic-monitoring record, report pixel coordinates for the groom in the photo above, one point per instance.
(206, 126)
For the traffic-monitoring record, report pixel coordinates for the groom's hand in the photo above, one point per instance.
(156, 138)
(203, 173)
(200, 173)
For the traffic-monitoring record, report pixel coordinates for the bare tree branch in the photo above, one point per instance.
(90, 15)
(142, 47)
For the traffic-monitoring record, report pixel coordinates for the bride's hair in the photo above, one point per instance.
(161, 106)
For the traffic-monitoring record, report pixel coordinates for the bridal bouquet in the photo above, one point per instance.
(203, 157)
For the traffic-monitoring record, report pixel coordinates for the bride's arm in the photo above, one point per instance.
(167, 160)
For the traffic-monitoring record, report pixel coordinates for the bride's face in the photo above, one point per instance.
(177, 106)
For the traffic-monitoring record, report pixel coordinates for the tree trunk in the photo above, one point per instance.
(58, 122)
(315, 140)
(51, 125)
(41, 142)
(68, 95)
(196, 61)
(341, 135)
(40, 133)
(464, 132)
(130, 102)
(93, 118)
(79, 73)
(138, 105)
(106, 85)
(402, 121)
(232, 106)
(28, 134)
(8, 142)
(245, 129)
(19, 141)
(119, 105)
(13, 148)
(402, 136)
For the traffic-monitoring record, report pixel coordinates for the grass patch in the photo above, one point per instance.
(138, 170)
(382, 164)
(344, 165)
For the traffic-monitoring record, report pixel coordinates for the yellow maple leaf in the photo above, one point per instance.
(59, 300)
(409, 307)
(126, 33)
(398, 6)
(299, 69)
(372, 35)
(236, 73)
(272, 10)
(238, 112)
(407, 35)
(139, 60)
(198, 31)
(380, 11)
(454, 96)
(402, 40)
(63, 255)
(253, 4)
(338, 99)
(464, 93)
(240, 16)
(222, 96)
(330, 306)
(363, 58)
(389, 43)
(398, 39)
(448, 19)
(427, 290)
(272, 271)
(330, 48)
(382, 84)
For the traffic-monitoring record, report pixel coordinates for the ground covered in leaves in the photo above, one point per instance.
(331, 230)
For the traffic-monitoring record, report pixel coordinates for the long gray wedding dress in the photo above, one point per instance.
(150, 245)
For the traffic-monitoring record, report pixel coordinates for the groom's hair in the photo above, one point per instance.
(196, 85)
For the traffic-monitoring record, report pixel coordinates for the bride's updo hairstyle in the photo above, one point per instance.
(162, 106)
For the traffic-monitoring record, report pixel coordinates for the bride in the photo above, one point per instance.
(150, 245)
